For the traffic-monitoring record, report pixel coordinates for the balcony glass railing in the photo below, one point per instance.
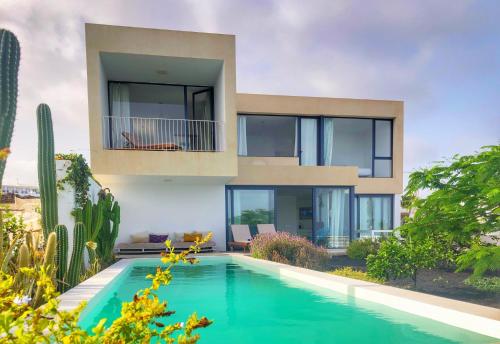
(160, 134)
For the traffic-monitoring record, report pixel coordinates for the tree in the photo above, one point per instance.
(400, 258)
(463, 203)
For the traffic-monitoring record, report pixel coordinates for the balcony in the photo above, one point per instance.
(162, 134)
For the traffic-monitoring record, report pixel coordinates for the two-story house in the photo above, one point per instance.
(183, 151)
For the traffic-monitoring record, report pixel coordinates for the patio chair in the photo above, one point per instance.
(241, 237)
(132, 144)
(266, 228)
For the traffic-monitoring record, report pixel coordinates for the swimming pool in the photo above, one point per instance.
(252, 305)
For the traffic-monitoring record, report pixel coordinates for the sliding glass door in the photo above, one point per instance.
(332, 216)
(252, 206)
(321, 214)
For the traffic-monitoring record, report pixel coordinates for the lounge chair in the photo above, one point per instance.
(132, 142)
(267, 228)
(241, 237)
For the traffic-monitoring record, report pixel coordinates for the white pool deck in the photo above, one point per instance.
(471, 317)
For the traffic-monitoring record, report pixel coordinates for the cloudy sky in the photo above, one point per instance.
(441, 57)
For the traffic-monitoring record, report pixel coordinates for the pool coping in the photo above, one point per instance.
(475, 318)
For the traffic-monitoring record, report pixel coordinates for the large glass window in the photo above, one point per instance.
(373, 213)
(272, 136)
(251, 207)
(144, 114)
(348, 142)
(332, 217)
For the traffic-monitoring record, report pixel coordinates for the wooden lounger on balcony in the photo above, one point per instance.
(158, 146)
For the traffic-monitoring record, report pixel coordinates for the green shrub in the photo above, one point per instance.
(356, 274)
(488, 284)
(362, 248)
(400, 258)
(286, 248)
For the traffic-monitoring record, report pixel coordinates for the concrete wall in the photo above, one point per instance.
(199, 49)
(155, 206)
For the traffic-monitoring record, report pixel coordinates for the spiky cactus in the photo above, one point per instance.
(48, 264)
(76, 262)
(10, 54)
(46, 169)
(61, 256)
(23, 261)
(110, 228)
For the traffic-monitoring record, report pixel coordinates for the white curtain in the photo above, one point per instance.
(308, 141)
(334, 217)
(242, 136)
(120, 112)
(328, 141)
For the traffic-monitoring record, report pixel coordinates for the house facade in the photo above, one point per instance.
(183, 151)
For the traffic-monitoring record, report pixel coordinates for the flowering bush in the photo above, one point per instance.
(287, 248)
(141, 320)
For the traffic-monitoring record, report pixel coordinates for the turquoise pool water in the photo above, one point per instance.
(252, 306)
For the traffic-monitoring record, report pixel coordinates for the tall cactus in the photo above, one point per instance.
(46, 169)
(110, 228)
(10, 54)
(61, 255)
(75, 264)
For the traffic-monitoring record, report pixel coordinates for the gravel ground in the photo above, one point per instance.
(440, 282)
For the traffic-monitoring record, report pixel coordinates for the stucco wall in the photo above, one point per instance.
(164, 207)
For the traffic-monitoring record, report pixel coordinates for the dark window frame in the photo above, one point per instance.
(185, 87)
(358, 212)
(229, 202)
(320, 138)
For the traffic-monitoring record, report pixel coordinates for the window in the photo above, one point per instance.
(267, 136)
(308, 141)
(252, 207)
(373, 213)
(332, 213)
(348, 142)
(382, 160)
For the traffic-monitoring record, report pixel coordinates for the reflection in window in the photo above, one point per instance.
(251, 207)
(272, 136)
(348, 142)
(373, 213)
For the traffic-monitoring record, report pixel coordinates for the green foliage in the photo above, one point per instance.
(400, 258)
(10, 53)
(254, 217)
(487, 284)
(77, 176)
(464, 199)
(356, 274)
(72, 277)
(362, 248)
(46, 169)
(108, 233)
(48, 266)
(481, 259)
(142, 320)
(287, 248)
(464, 203)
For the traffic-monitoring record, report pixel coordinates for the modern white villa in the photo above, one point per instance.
(183, 151)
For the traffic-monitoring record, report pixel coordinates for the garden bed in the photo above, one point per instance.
(440, 282)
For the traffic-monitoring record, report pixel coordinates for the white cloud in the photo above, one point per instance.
(380, 49)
